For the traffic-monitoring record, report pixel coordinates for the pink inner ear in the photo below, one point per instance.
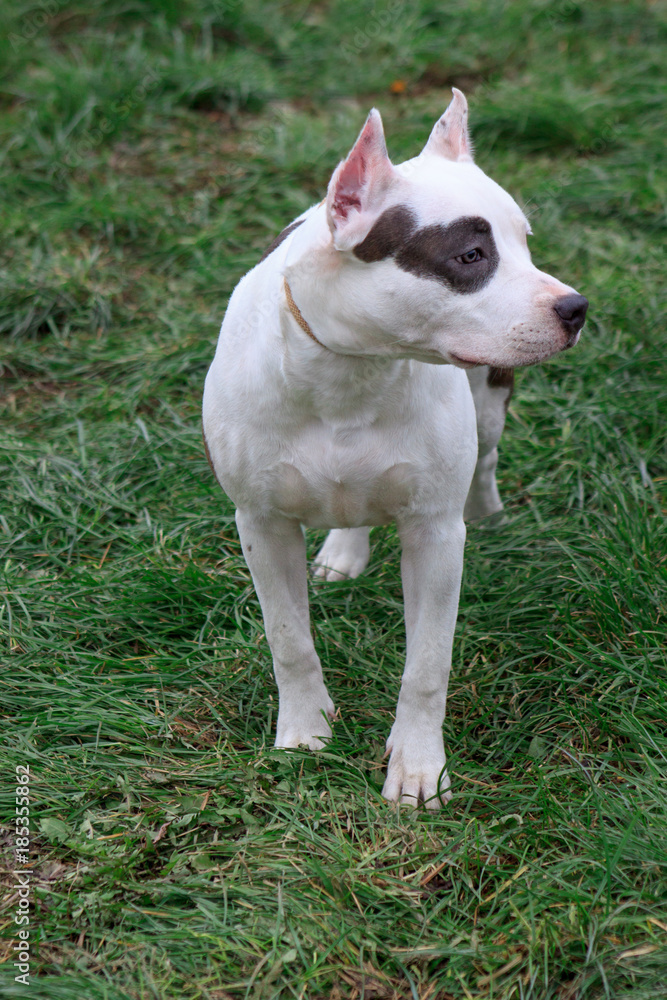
(344, 202)
(348, 186)
(358, 183)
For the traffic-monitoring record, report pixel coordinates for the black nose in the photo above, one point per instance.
(572, 311)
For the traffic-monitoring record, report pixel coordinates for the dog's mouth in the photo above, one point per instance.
(463, 362)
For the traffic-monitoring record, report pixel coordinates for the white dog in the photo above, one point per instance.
(337, 398)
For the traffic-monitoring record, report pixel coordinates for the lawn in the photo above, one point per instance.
(148, 153)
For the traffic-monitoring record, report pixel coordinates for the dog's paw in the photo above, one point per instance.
(416, 773)
(478, 507)
(483, 498)
(344, 554)
(305, 725)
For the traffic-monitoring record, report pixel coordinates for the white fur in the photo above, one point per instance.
(361, 432)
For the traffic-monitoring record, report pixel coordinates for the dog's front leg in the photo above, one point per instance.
(275, 550)
(431, 568)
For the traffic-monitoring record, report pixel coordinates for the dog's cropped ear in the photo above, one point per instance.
(358, 185)
(449, 137)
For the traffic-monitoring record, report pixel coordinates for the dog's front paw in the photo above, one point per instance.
(416, 772)
(344, 554)
(305, 724)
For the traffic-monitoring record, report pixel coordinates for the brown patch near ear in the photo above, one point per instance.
(208, 456)
(387, 235)
(279, 239)
(501, 378)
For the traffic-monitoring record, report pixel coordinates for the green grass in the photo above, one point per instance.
(148, 153)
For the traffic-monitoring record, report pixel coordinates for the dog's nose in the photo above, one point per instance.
(572, 312)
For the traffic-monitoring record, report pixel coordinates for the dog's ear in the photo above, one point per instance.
(449, 137)
(358, 185)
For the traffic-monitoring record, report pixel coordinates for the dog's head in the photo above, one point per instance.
(439, 256)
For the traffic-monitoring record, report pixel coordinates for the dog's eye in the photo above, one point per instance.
(471, 257)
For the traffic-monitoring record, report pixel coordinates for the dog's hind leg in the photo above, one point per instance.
(275, 550)
(491, 390)
(344, 555)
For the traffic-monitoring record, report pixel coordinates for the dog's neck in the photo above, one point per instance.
(328, 372)
(327, 303)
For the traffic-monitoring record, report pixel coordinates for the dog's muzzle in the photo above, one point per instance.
(571, 311)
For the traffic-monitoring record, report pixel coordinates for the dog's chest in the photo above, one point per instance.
(342, 477)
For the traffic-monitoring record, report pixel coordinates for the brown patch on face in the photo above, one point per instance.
(388, 234)
(434, 252)
(208, 455)
(501, 378)
(279, 239)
